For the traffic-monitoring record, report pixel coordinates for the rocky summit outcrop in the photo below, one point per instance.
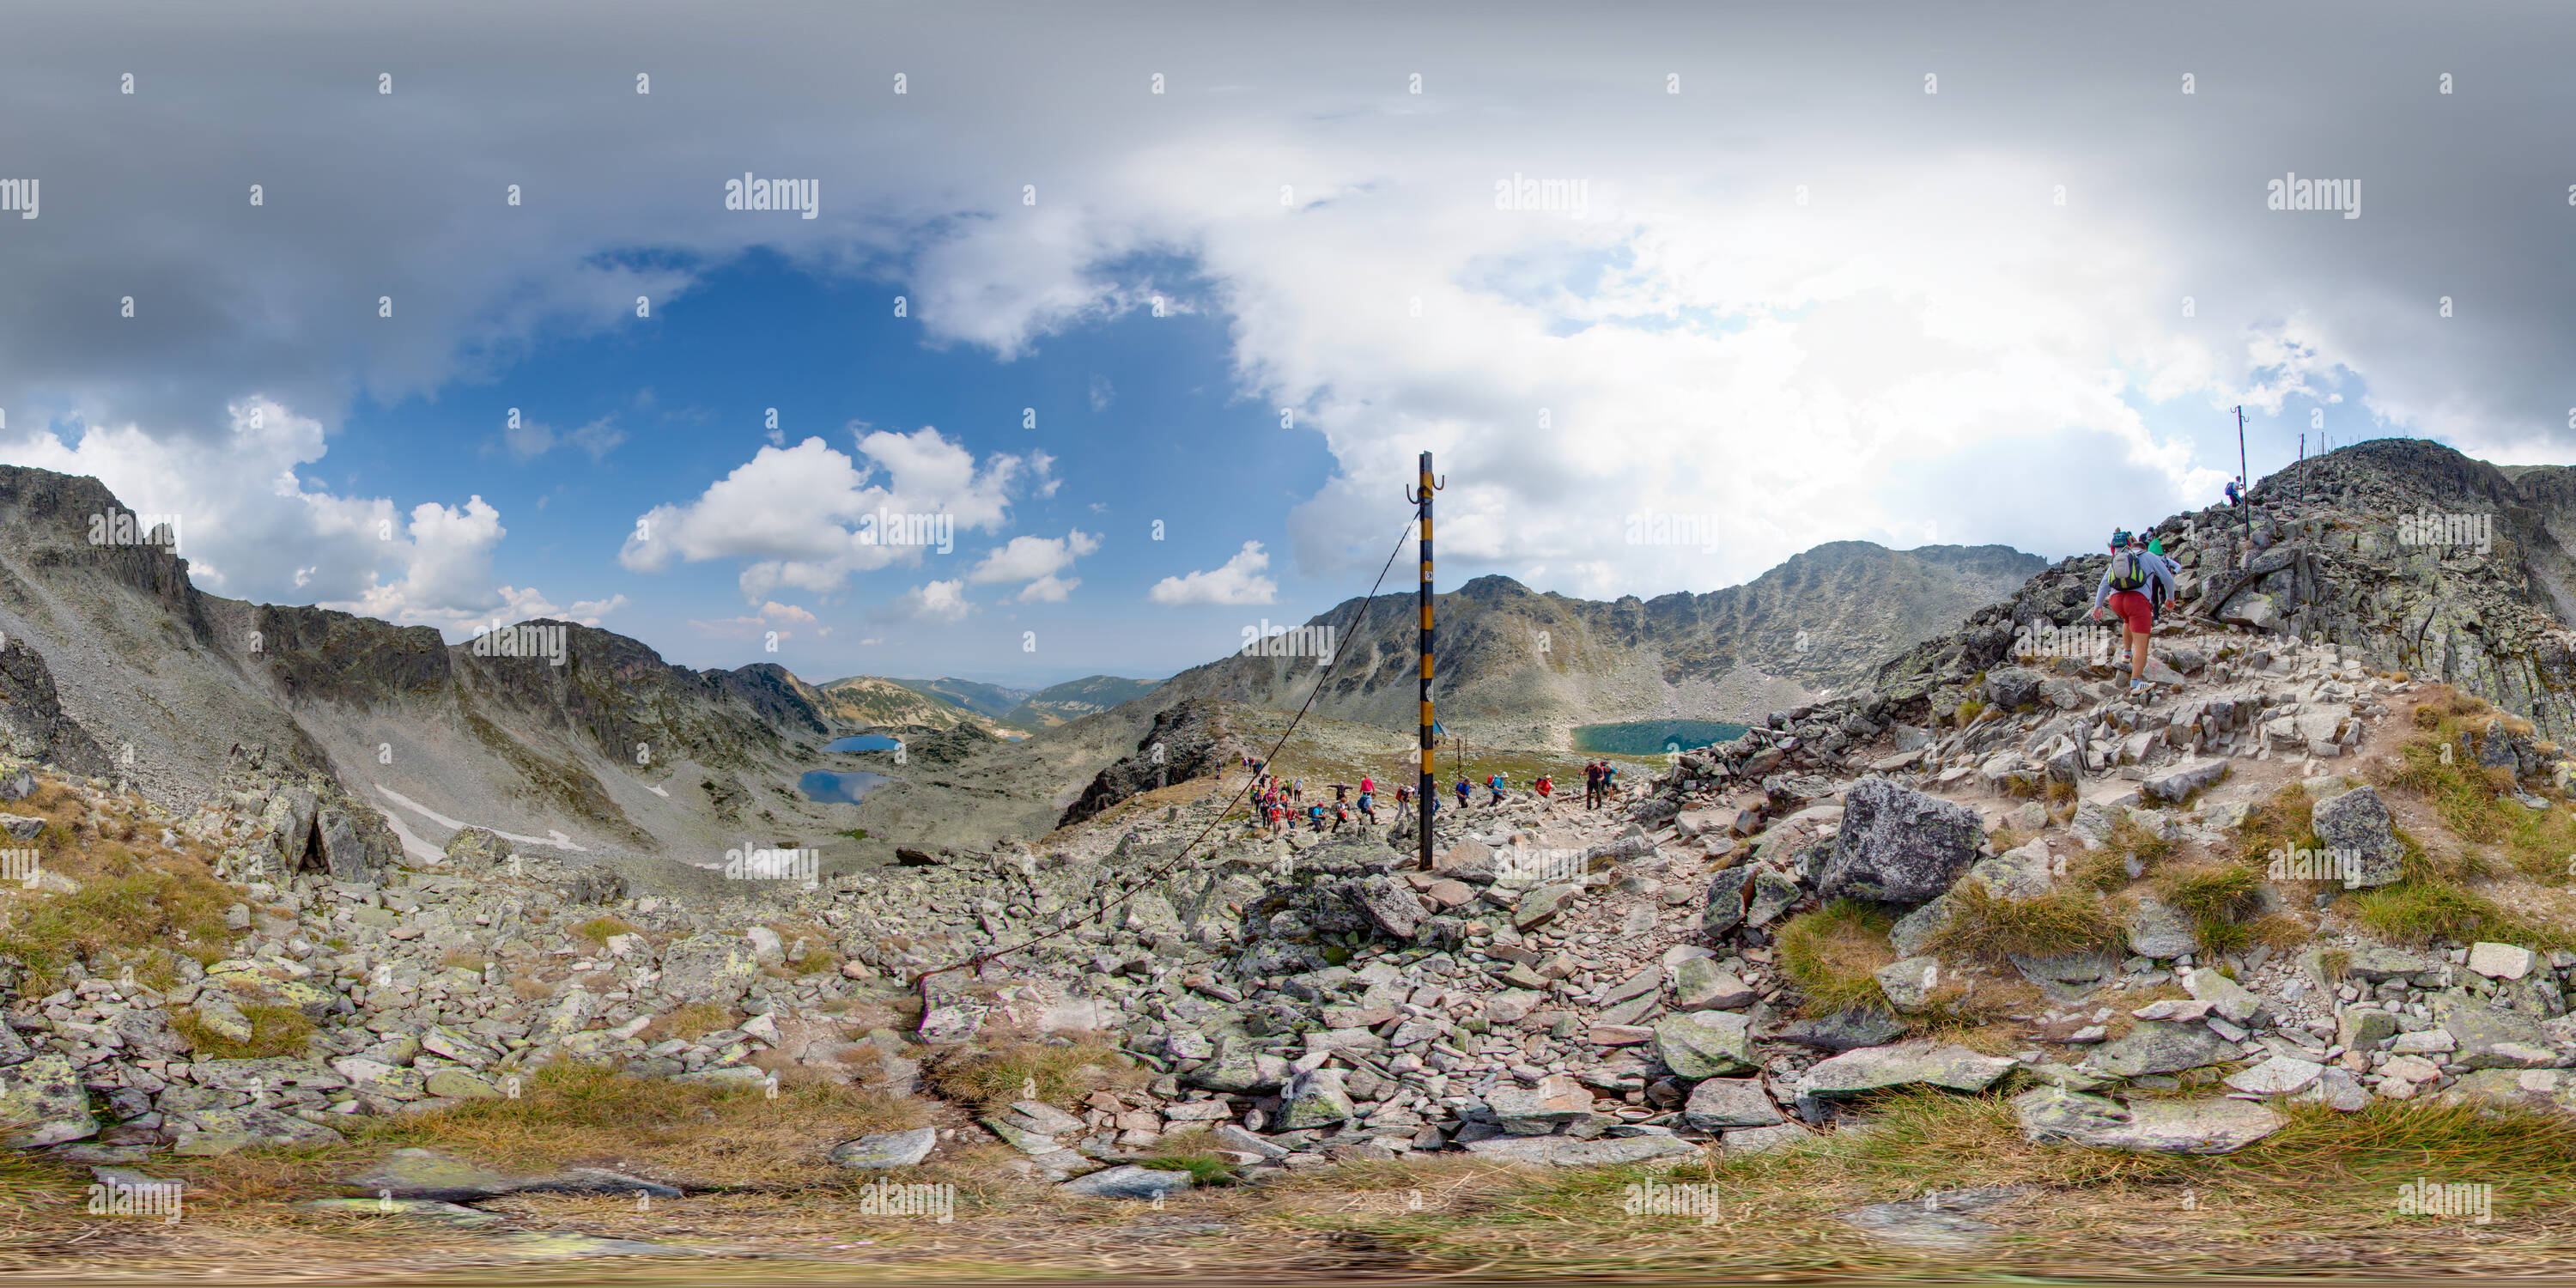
(2407, 553)
(1187, 741)
(1520, 668)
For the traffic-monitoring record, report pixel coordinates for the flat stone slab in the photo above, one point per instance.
(1847, 1030)
(2279, 1076)
(1566, 1151)
(431, 1176)
(435, 1176)
(1720, 1103)
(1877, 1068)
(1763, 1140)
(1704, 1044)
(2489, 1038)
(596, 1182)
(2161, 1048)
(2224, 995)
(1128, 1181)
(438, 1210)
(886, 1149)
(546, 1246)
(2501, 961)
(2219, 1126)
(1934, 1220)
(223, 1131)
(2538, 1088)
(42, 1100)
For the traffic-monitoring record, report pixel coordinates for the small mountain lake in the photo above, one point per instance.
(1652, 737)
(863, 742)
(829, 785)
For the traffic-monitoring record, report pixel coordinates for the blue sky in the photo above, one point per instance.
(1970, 275)
(1139, 414)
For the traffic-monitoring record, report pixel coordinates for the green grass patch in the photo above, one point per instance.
(2477, 804)
(119, 917)
(2284, 823)
(2223, 890)
(1204, 1168)
(274, 1031)
(2130, 839)
(599, 930)
(2417, 911)
(1830, 955)
(1055, 1072)
(1984, 926)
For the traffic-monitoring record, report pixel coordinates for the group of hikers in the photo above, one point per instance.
(1279, 804)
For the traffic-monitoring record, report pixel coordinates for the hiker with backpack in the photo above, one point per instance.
(2135, 583)
(1464, 791)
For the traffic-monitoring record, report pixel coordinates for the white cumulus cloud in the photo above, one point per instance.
(1236, 581)
(809, 516)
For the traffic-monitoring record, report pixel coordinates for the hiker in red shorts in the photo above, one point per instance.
(2133, 583)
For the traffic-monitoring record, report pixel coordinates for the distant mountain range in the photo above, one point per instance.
(112, 663)
(949, 703)
(1520, 668)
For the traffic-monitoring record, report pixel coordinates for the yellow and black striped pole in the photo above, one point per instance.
(1430, 742)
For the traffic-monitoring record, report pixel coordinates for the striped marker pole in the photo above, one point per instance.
(1421, 496)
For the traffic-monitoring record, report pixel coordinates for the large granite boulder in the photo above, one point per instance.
(2356, 825)
(1897, 845)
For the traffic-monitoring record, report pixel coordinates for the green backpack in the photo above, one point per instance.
(2128, 570)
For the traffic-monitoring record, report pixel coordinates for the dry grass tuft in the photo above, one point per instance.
(690, 1022)
(1830, 955)
(1059, 1069)
(274, 1030)
(1986, 927)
